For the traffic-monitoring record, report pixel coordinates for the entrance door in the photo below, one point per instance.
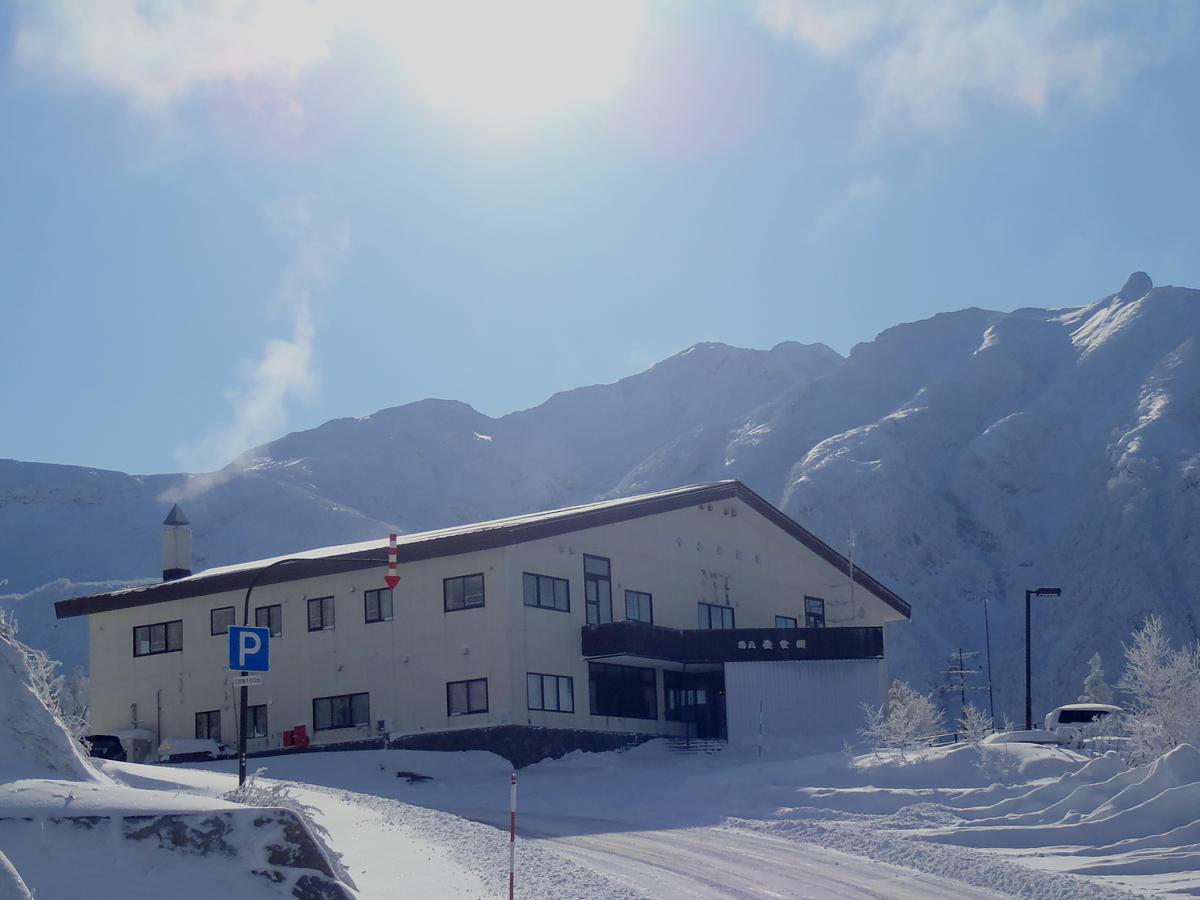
(698, 699)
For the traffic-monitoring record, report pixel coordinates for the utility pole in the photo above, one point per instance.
(1036, 592)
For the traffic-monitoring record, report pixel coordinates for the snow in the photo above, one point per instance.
(650, 822)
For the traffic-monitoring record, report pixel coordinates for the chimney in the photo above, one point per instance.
(177, 545)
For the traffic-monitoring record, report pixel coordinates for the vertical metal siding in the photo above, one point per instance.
(802, 700)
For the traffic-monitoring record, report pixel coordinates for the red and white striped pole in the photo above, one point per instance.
(392, 578)
(512, 834)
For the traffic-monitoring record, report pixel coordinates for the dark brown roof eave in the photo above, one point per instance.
(470, 541)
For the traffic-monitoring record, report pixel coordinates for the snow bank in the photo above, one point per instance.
(33, 743)
(1146, 802)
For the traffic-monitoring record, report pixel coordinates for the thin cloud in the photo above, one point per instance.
(920, 62)
(155, 53)
(283, 372)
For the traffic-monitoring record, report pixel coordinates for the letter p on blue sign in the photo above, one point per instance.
(249, 649)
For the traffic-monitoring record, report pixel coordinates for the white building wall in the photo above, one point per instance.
(810, 700)
(722, 553)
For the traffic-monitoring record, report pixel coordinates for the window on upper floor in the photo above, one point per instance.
(341, 711)
(165, 637)
(786, 622)
(320, 614)
(814, 612)
(270, 617)
(464, 698)
(462, 592)
(715, 617)
(377, 605)
(208, 726)
(597, 589)
(639, 607)
(219, 620)
(550, 693)
(547, 592)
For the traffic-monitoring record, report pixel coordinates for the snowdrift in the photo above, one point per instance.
(33, 743)
(1141, 820)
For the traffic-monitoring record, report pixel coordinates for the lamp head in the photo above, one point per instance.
(1048, 592)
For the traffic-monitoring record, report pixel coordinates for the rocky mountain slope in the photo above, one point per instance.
(970, 455)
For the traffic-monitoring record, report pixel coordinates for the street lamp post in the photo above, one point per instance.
(1035, 592)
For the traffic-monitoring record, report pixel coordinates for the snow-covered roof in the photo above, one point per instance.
(463, 539)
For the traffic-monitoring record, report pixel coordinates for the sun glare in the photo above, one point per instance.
(511, 65)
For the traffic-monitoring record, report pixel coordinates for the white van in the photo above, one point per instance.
(1074, 716)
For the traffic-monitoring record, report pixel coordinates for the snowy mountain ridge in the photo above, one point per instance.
(967, 456)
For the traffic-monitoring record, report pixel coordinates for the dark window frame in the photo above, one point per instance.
(649, 599)
(710, 607)
(446, 607)
(558, 694)
(212, 624)
(167, 648)
(538, 579)
(208, 715)
(469, 711)
(336, 725)
(252, 716)
(781, 622)
(325, 626)
(621, 699)
(597, 579)
(812, 617)
(267, 609)
(379, 606)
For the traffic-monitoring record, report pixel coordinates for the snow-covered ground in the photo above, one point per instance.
(652, 823)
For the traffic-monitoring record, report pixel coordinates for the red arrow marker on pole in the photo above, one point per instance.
(391, 577)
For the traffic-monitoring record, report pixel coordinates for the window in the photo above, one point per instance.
(464, 698)
(342, 711)
(219, 620)
(639, 607)
(786, 622)
(597, 589)
(208, 726)
(552, 693)
(270, 617)
(814, 612)
(463, 592)
(547, 592)
(166, 637)
(627, 691)
(257, 716)
(715, 617)
(377, 605)
(320, 614)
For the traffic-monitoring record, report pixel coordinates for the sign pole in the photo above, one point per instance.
(512, 835)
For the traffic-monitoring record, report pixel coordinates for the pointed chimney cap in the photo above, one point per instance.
(176, 517)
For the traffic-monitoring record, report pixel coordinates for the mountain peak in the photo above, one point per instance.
(1137, 285)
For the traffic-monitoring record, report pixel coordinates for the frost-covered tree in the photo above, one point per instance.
(1163, 686)
(44, 679)
(1095, 688)
(907, 718)
(974, 724)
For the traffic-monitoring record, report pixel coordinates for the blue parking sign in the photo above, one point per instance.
(249, 649)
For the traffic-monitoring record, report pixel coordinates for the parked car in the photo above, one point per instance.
(106, 746)
(1069, 722)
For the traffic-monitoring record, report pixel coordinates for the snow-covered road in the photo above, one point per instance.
(726, 862)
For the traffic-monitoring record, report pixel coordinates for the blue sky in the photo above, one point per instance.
(224, 221)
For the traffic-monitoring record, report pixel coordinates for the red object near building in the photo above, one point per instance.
(302, 739)
(289, 738)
